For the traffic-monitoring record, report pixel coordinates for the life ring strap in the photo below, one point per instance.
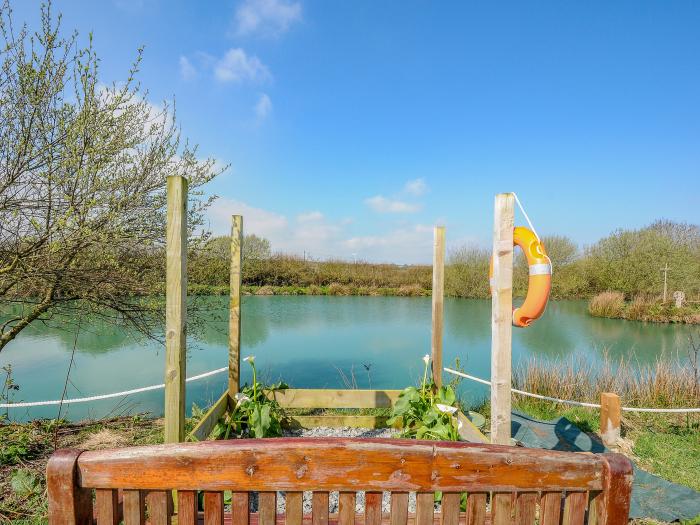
(541, 269)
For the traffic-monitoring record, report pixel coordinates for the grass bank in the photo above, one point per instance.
(333, 289)
(642, 308)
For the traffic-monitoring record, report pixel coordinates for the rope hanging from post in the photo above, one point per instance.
(575, 403)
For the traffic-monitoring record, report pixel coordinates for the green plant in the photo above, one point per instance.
(427, 412)
(255, 414)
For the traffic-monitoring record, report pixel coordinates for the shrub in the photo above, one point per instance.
(607, 304)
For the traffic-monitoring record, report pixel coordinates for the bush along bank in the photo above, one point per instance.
(642, 308)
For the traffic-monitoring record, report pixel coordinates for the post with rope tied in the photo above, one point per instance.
(502, 318)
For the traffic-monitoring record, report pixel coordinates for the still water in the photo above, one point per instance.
(312, 342)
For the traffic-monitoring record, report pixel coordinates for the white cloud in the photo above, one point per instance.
(409, 244)
(310, 216)
(381, 204)
(237, 66)
(416, 187)
(263, 107)
(255, 220)
(187, 69)
(266, 17)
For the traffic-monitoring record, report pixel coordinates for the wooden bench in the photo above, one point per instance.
(505, 485)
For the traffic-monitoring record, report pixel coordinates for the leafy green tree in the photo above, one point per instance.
(83, 167)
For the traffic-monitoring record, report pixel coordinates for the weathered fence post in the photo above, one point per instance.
(610, 414)
(438, 302)
(175, 309)
(234, 315)
(502, 318)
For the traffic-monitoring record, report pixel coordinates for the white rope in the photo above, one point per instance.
(569, 402)
(527, 217)
(106, 396)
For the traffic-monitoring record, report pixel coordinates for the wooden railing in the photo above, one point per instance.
(503, 484)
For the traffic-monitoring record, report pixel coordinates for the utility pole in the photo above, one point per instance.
(665, 269)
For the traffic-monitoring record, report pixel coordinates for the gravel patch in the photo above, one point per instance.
(333, 496)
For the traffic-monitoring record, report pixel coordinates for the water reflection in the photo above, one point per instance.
(307, 340)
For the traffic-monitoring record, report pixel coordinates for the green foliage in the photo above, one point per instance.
(25, 483)
(427, 412)
(255, 414)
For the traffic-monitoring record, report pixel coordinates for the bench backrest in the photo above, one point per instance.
(511, 484)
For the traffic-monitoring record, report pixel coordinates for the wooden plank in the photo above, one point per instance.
(339, 464)
(337, 421)
(321, 398)
(450, 508)
(213, 508)
(476, 508)
(134, 507)
(319, 508)
(187, 507)
(157, 506)
(69, 503)
(468, 431)
(610, 415)
(425, 504)
(209, 420)
(175, 309)
(240, 508)
(550, 508)
(526, 508)
(502, 318)
(294, 508)
(267, 507)
(438, 294)
(618, 489)
(107, 507)
(346, 508)
(399, 508)
(373, 508)
(501, 508)
(234, 309)
(575, 504)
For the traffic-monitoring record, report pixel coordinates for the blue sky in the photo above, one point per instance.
(354, 127)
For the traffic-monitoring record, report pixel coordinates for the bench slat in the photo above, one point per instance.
(399, 508)
(373, 508)
(134, 507)
(525, 508)
(425, 504)
(213, 508)
(159, 507)
(550, 508)
(339, 464)
(107, 507)
(294, 508)
(575, 505)
(476, 508)
(187, 507)
(450, 508)
(240, 509)
(501, 508)
(319, 508)
(346, 508)
(267, 507)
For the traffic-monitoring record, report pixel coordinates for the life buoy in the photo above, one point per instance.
(539, 282)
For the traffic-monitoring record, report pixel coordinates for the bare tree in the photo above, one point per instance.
(82, 182)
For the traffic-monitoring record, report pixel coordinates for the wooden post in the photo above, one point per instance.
(176, 309)
(665, 269)
(502, 318)
(234, 319)
(610, 414)
(438, 301)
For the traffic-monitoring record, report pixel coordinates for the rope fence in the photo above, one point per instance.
(570, 402)
(106, 396)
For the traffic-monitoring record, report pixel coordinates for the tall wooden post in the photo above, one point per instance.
(610, 415)
(502, 318)
(438, 302)
(234, 315)
(175, 309)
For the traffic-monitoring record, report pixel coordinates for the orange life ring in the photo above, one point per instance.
(540, 280)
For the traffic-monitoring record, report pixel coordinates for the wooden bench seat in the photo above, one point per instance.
(505, 485)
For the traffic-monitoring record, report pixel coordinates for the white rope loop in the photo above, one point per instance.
(575, 403)
(106, 396)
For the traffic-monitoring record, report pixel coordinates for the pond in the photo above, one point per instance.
(312, 342)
